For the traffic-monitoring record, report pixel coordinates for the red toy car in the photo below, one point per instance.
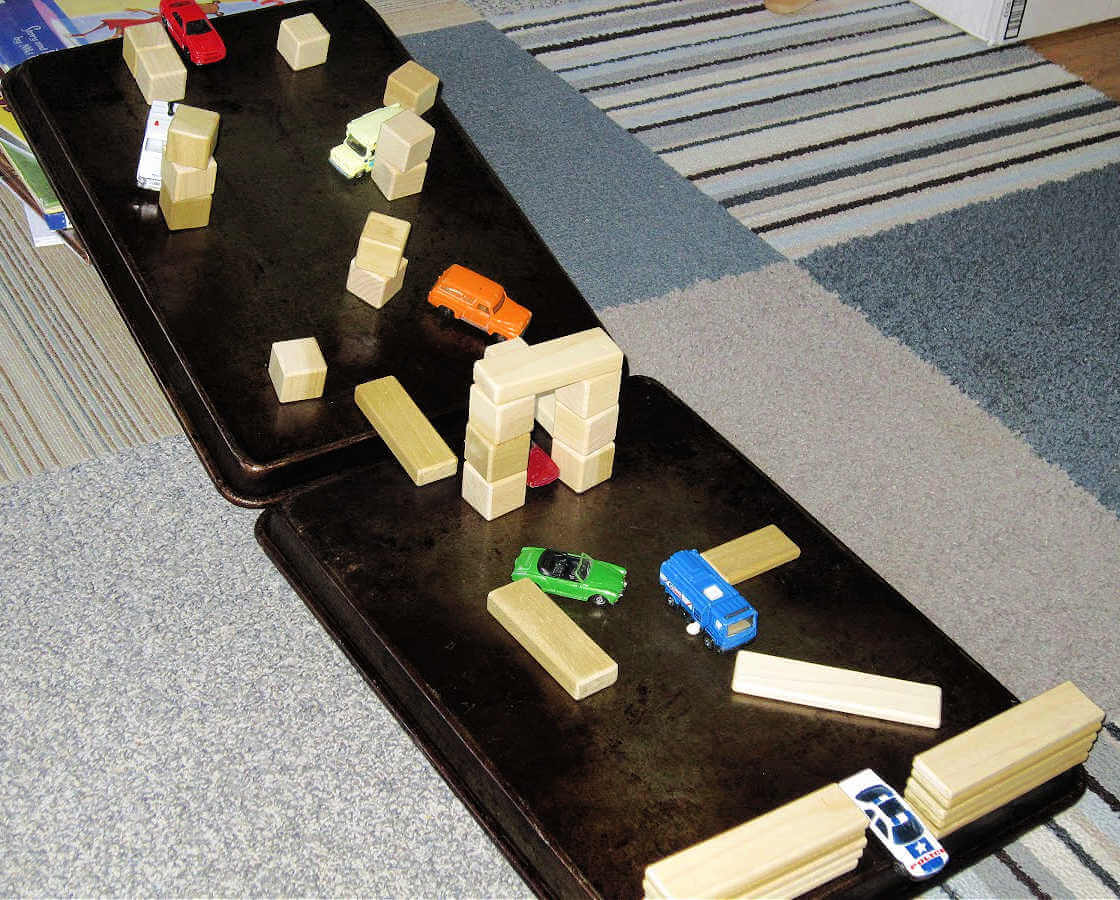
(192, 31)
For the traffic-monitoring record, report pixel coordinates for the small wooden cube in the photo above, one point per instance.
(381, 246)
(372, 287)
(499, 422)
(593, 395)
(183, 214)
(192, 136)
(297, 369)
(141, 37)
(303, 41)
(394, 184)
(580, 472)
(185, 182)
(493, 498)
(496, 461)
(405, 141)
(161, 75)
(582, 435)
(412, 86)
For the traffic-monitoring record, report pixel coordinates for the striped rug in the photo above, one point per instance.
(842, 121)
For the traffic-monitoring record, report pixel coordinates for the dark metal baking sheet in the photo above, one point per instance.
(582, 796)
(205, 305)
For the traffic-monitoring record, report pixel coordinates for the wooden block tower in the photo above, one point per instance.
(584, 369)
(400, 160)
(189, 171)
(377, 269)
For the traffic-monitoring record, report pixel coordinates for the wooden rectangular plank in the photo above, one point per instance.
(752, 554)
(843, 690)
(802, 882)
(539, 368)
(540, 626)
(983, 755)
(762, 849)
(417, 446)
(996, 796)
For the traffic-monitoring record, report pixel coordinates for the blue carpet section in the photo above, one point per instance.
(1016, 300)
(622, 223)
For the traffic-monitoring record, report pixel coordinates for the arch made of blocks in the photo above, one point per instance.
(570, 385)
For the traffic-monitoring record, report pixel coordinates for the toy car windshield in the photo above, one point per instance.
(360, 149)
(198, 26)
(563, 565)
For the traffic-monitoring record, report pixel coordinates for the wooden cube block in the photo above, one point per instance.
(381, 246)
(565, 651)
(297, 369)
(405, 141)
(496, 461)
(499, 422)
(192, 136)
(580, 472)
(412, 86)
(406, 431)
(373, 287)
(582, 435)
(394, 184)
(303, 41)
(141, 37)
(592, 395)
(161, 75)
(183, 214)
(493, 498)
(187, 182)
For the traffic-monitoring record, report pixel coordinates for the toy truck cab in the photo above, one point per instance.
(354, 156)
(726, 618)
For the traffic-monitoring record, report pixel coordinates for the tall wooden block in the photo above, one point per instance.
(297, 369)
(373, 287)
(496, 461)
(752, 554)
(381, 245)
(303, 41)
(580, 472)
(843, 690)
(493, 498)
(546, 411)
(592, 395)
(187, 183)
(582, 435)
(406, 431)
(394, 183)
(412, 86)
(544, 367)
(161, 75)
(565, 651)
(759, 853)
(405, 141)
(141, 37)
(192, 136)
(183, 214)
(499, 422)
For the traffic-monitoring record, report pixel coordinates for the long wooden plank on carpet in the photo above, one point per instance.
(552, 639)
(983, 755)
(762, 849)
(540, 368)
(843, 690)
(406, 431)
(752, 554)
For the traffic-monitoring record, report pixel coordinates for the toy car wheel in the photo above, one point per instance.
(445, 312)
(709, 643)
(598, 599)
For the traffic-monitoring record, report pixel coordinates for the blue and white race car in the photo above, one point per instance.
(896, 825)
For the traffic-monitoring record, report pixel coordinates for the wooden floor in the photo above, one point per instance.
(1092, 53)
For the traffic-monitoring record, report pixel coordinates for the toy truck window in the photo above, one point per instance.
(354, 145)
(713, 592)
(738, 627)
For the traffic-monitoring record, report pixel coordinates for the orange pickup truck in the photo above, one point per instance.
(466, 295)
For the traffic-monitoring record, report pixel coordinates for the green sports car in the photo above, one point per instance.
(574, 575)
